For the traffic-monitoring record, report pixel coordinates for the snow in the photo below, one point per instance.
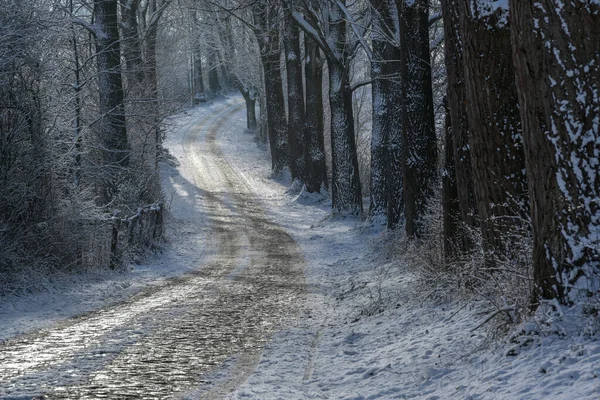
(369, 329)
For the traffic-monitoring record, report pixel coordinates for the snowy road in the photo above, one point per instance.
(161, 343)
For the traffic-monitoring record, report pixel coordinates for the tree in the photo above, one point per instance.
(458, 188)
(387, 172)
(494, 123)
(419, 156)
(295, 95)
(555, 47)
(113, 129)
(197, 81)
(266, 28)
(316, 169)
(326, 24)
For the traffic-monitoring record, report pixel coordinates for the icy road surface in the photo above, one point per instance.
(161, 343)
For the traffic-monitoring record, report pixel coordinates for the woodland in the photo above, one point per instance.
(468, 127)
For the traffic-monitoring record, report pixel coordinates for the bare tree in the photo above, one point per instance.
(326, 24)
(387, 171)
(266, 14)
(316, 168)
(295, 95)
(113, 130)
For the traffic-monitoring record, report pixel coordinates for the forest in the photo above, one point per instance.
(462, 137)
(470, 128)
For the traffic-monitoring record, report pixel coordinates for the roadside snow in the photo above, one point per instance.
(69, 295)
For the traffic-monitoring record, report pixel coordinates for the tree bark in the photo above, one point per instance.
(295, 96)
(250, 98)
(345, 183)
(267, 35)
(328, 28)
(197, 80)
(457, 104)
(386, 192)
(495, 140)
(213, 70)
(113, 131)
(419, 142)
(132, 49)
(316, 177)
(555, 46)
(453, 241)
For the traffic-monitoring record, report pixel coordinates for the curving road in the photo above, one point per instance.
(164, 342)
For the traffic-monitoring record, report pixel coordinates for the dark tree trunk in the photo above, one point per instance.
(556, 46)
(345, 183)
(419, 141)
(450, 202)
(213, 71)
(386, 192)
(295, 96)
(331, 36)
(197, 81)
(251, 113)
(346, 193)
(153, 110)
(316, 176)
(457, 104)
(250, 99)
(132, 48)
(268, 41)
(113, 131)
(227, 48)
(494, 125)
(78, 137)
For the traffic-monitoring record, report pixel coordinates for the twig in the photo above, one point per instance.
(461, 308)
(498, 311)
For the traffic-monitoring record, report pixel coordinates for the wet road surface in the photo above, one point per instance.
(161, 343)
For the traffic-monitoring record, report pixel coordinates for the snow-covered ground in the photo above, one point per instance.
(366, 329)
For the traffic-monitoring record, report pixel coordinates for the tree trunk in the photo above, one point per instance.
(346, 193)
(197, 81)
(457, 104)
(250, 99)
(268, 41)
(251, 113)
(78, 137)
(450, 202)
(386, 192)
(153, 110)
(316, 176)
(213, 71)
(295, 96)
(113, 131)
(556, 46)
(419, 142)
(132, 49)
(494, 123)
(345, 183)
